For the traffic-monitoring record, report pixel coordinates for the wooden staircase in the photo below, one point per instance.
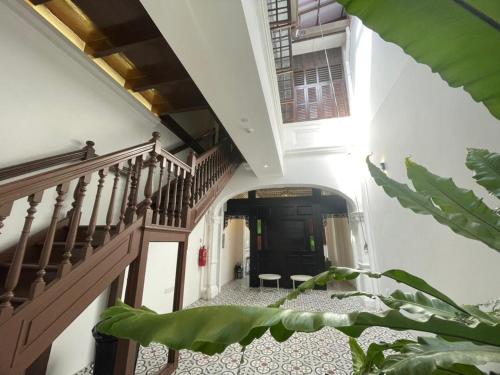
(48, 278)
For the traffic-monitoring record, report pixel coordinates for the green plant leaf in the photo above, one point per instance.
(458, 369)
(433, 353)
(211, 329)
(463, 204)
(370, 362)
(414, 303)
(457, 39)
(422, 204)
(321, 279)
(400, 276)
(486, 167)
(358, 357)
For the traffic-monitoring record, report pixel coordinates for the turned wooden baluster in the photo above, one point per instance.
(210, 168)
(192, 179)
(157, 210)
(87, 248)
(188, 190)
(204, 178)
(123, 208)
(148, 188)
(211, 171)
(89, 154)
(197, 184)
(214, 170)
(111, 208)
(38, 285)
(131, 215)
(171, 214)
(65, 266)
(222, 158)
(17, 261)
(217, 165)
(5, 210)
(166, 200)
(178, 211)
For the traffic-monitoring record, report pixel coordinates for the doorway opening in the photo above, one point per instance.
(285, 232)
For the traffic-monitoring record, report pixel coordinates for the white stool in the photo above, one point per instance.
(300, 278)
(270, 276)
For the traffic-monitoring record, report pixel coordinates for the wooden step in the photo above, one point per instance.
(27, 277)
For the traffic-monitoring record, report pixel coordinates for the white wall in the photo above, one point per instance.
(74, 348)
(195, 275)
(159, 283)
(53, 100)
(232, 252)
(414, 112)
(330, 171)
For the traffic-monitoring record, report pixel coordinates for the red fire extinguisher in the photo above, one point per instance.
(202, 256)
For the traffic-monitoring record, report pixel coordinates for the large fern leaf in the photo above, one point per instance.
(423, 204)
(486, 166)
(458, 39)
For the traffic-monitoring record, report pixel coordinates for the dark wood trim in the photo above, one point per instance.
(100, 49)
(126, 355)
(108, 249)
(17, 170)
(164, 109)
(39, 367)
(185, 146)
(34, 326)
(180, 275)
(116, 290)
(18, 189)
(175, 128)
(143, 84)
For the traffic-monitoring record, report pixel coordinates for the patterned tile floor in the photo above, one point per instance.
(319, 353)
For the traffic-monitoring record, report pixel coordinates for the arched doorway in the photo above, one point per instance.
(287, 232)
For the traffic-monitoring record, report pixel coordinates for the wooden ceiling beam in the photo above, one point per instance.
(165, 109)
(179, 131)
(147, 83)
(103, 48)
(177, 149)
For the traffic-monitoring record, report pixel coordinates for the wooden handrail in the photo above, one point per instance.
(167, 155)
(17, 189)
(17, 170)
(205, 155)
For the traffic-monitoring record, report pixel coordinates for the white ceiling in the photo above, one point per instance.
(220, 43)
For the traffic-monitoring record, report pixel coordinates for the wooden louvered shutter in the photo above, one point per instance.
(319, 89)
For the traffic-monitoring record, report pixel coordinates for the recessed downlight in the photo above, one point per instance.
(266, 166)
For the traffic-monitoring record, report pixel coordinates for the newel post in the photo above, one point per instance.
(186, 218)
(89, 150)
(148, 188)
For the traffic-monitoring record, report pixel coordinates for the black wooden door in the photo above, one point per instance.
(286, 240)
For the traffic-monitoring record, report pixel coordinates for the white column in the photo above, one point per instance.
(361, 251)
(213, 237)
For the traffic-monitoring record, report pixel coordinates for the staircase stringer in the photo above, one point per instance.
(33, 326)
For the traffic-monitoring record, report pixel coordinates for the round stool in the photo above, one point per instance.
(300, 278)
(270, 276)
